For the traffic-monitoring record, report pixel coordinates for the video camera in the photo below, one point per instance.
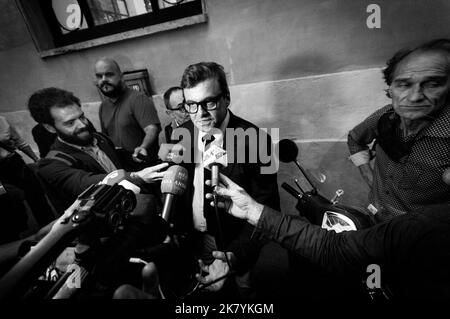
(107, 206)
(111, 205)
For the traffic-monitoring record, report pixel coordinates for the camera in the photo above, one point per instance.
(111, 205)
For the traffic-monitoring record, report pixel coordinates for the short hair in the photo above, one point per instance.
(43, 100)
(199, 72)
(436, 45)
(168, 93)
(110, 61)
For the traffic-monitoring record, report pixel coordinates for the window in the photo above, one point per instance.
(78, 24)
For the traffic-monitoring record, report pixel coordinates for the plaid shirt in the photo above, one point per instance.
(416, 180)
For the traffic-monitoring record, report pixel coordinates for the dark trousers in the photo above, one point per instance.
(14, 171)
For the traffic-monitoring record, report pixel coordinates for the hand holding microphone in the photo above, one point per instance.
(235, 200)
(215, 158)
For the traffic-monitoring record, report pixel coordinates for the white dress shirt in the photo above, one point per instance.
(198, 182)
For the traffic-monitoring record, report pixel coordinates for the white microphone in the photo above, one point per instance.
(173, 183)
(120, 176)
(173, 153)
(215, 158)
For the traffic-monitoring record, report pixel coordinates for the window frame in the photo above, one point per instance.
(50, 41)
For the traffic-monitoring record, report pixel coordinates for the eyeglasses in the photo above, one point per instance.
(209, 104)
(179, 107)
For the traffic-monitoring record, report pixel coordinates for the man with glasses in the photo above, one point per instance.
(173, 100)
(207, 98)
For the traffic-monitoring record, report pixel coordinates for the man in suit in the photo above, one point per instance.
(207, 98)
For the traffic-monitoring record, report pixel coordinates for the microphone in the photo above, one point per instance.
(173, 183)
(172, 153)
(120, 176)
(215, 158)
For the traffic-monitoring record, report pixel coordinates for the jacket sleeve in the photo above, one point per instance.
(263, 188)
(339, 252)
(60, 175)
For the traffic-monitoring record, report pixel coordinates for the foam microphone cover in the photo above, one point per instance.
(119, 176)
(173, 153)
(114, 177)
(215, 155)
(175, 180)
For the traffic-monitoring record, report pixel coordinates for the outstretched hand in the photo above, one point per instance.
(235, 200)
(153, 173)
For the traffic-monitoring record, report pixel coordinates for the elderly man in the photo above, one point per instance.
(127, 116)
(412, 135)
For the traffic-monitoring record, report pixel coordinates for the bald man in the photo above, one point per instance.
(127, 116)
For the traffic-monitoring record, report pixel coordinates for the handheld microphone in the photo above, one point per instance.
(173, 183)
(215, 158)
(120, 176)
(172, 153)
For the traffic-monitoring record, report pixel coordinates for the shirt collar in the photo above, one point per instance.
(126, 90)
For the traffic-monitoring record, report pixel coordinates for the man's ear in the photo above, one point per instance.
(227, 99)
(49, 128)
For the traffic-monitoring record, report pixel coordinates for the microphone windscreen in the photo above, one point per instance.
(175, 180)
(215, 155)
(171, 152)
(114, 177)
(287, 150)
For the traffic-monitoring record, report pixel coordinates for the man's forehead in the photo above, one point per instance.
(65, 113)
(105, 66)
(176, 94)
(426, 64)
(209, 87)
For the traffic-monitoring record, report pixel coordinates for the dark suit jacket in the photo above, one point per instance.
(68, 171)
(262, 187)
